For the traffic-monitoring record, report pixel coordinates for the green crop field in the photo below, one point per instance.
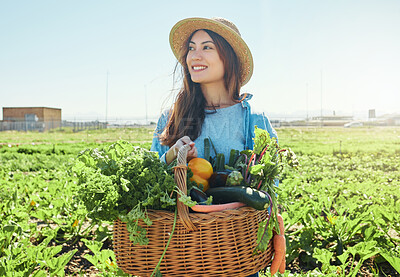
(341, 208)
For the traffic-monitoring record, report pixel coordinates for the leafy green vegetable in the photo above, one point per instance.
(264, 235)
(123, 181)
(261, 140)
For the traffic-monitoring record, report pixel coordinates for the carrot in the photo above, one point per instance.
(281, 226)
(280, 251)
(282, 267)
(279, 261)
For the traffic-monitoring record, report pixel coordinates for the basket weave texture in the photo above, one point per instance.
(203, 244)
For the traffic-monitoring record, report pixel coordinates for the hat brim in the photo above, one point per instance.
(184, 28)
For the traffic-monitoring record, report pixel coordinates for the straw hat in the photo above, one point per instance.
(225, 28)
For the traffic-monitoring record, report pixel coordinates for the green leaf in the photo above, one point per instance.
(40, 273)
(369, 233)
(261, 140)
(257, 169)
(92, 259)
(59, 263)
(366, 249)
(124, 184)
(343, 258)
(187, 200)
(324, 256)
(93, 245)
(263, 239)
(393, 258)
(105, 254)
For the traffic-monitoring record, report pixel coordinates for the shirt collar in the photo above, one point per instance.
(244, 98)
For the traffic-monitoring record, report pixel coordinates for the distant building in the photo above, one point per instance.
(390, 119)
(371, 113)
(276, 123)
(331, 120)
(30, 118)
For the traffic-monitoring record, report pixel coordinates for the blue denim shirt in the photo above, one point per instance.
(251, 119)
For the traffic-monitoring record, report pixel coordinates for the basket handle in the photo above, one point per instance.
(180, 179)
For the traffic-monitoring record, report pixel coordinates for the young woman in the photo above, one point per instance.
(216, 63)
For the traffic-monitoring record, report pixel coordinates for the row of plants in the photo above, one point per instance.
(44, 231)
(341, 208)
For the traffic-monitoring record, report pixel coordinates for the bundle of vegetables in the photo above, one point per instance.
(251, 177)
(123, 181)
(261, 168)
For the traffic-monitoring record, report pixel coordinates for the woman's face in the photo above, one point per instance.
(204, 63)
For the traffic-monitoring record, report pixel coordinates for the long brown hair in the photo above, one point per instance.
(187, 116)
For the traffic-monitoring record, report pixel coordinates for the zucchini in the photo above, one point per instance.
(234, 154)
(207, 149)
(220, 162)
(251, 197)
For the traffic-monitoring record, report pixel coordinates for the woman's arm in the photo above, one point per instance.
(156, 144)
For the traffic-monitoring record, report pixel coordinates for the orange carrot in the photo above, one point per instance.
(279, 261)
(280, 251)
(282, 267)
(281, 226)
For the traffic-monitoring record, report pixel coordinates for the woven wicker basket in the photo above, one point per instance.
(209, 244)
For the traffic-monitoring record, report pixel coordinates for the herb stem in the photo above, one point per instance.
(259, 184)
(248, 166)
(262, 153)
(166, 247)
(268, 219)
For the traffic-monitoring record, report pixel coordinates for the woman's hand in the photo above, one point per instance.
(173, 151)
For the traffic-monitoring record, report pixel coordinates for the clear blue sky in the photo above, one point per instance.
(57, 54)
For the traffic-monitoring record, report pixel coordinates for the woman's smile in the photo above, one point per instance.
(199, 67)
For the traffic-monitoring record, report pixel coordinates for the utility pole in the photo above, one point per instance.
(307, 101)
(145, 101)
(322, 123)
(107, 98)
